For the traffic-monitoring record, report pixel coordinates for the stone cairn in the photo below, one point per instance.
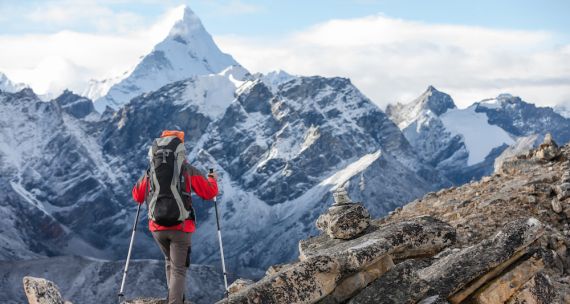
(344, 219)
(548, 150)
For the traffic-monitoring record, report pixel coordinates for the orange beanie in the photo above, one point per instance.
(179, 134)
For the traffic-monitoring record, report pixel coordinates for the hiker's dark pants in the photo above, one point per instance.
(175, 245)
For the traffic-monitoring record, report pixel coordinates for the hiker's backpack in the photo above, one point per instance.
(168, 204)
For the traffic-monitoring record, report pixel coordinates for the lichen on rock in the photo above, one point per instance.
(41, 291)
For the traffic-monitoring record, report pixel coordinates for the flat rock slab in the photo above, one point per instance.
(41, 291)
(454, 276)
(395, 286)
(422, 236)
(305, 282)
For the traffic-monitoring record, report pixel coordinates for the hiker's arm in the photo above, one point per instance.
(205, 188)
(140, 189)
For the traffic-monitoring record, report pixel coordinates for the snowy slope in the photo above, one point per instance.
(479, 136)
(463, 143)
(187, 51)
(7, 85)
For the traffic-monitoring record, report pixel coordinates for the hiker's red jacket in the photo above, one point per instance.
(205, 188)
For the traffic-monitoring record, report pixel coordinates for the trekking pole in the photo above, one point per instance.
(220, 241)
(121, 295)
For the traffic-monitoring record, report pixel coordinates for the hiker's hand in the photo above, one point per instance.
(213, 175)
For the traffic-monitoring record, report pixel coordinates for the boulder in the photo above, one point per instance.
(538, 290)
(41, 291)
(556, 205)
(238, 285)
(305, 282)
(456, 275)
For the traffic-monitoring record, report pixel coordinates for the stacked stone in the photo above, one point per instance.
(344, 219)
(548, 150)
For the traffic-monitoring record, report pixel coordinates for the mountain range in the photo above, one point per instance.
(280, 143)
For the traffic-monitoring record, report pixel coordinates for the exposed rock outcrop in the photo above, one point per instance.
(457, 275)
(42, 291)
(305, 282)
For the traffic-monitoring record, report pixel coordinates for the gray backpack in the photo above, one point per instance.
(169, 204)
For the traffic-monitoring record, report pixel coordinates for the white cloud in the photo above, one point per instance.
(395, 60)
(67, 59)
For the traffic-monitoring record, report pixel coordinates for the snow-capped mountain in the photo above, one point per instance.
(447, 137)
(7, 85)
(187, 51)
(464, 143)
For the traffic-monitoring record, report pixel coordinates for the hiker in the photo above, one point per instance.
(166, 187)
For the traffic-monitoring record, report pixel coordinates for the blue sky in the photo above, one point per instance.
(392, 50)
(256, 17)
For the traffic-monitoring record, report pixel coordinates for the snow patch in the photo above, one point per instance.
(479, 136)
(342, 176)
